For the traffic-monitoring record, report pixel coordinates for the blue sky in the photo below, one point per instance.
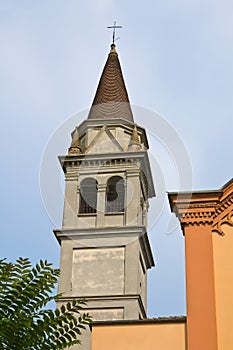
(177, 60)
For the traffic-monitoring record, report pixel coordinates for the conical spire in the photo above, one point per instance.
(135, 136)
(135, 140)
(111, 99)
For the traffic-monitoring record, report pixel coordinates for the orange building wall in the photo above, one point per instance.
(201, 317)
(223, 267)
(207, 222)
(165, 336)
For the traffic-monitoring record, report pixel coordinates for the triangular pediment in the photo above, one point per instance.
(104, 142)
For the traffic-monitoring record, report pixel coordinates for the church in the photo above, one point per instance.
(105, 249)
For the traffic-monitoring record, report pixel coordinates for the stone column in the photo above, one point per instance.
(70, 201)
(101, 197)
(132, 205)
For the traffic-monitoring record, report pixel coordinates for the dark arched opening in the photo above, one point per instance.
(88, 196)
(115, 195)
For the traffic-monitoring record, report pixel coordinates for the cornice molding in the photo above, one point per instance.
(206, 208)
(130, 232)
(223, 205)
(228, 219)
(223, 211)
(197, 217)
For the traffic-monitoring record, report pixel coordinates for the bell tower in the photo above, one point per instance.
(105, 251)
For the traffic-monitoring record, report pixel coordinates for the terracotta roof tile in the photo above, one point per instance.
(164, 319)
(111, 99)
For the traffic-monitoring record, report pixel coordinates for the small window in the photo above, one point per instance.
(88, 196)
(115, 195)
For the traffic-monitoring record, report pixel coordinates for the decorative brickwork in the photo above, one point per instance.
(111, 99)
(204, 208)
(224, 210)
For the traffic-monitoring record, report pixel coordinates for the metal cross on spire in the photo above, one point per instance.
(114, 31)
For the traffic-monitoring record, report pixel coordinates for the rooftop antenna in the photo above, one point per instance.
(114, 31)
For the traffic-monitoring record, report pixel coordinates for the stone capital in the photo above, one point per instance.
(132, 173)
(101, 187)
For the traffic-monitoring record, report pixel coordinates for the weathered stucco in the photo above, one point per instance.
(91, 274)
